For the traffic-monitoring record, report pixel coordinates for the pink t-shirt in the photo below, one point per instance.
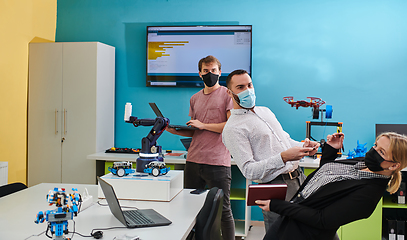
(206, 146)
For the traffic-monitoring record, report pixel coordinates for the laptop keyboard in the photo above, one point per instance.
(138, 218)
(183, 127)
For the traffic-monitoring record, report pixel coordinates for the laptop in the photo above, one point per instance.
(177, 127)
(131, 218)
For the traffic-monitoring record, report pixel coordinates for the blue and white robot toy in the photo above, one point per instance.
(58, 218)
(121, 168)
(156, 168)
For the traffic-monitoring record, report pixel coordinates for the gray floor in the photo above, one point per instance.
(257, 231)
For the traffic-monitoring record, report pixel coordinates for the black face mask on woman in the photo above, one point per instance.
(373, 160)
(210, 79)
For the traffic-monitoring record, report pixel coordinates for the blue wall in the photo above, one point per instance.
(352, 54)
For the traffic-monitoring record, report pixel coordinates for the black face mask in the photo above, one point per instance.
(373, 160)
(210, 79)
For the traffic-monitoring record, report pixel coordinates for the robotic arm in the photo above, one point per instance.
(150, 151)
(149, 143)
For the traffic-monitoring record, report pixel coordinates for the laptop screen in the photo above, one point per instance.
(156, 110)
(111, 199)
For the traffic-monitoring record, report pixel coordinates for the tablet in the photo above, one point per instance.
(265, 192)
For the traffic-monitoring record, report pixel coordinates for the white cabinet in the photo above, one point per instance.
(3, 173)
(70, 109)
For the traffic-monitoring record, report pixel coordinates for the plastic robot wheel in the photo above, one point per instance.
(165, 172)
(120, 172)
(155, 171)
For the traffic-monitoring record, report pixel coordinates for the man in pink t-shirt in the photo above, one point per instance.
(208, 160)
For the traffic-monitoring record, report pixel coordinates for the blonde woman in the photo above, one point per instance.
(341, 191)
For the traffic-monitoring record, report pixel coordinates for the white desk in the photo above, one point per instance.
(113, 157)
(307, 162)
(102, 157)
(241, 227)
(18, 212)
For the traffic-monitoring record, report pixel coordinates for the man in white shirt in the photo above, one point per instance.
(262, 150)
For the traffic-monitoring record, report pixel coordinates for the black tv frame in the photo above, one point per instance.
(191, 81)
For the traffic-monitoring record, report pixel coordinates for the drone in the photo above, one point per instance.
(313, 102)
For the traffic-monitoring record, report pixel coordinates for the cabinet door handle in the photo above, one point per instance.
(56, 121)
(65, 113)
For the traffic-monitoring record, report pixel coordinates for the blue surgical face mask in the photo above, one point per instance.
(246, 99)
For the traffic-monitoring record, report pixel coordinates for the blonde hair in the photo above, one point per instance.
(398, 150)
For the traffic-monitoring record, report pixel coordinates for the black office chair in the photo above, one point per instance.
(207, 226)
(11, 188)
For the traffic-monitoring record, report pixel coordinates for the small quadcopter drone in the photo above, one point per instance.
(313, 102)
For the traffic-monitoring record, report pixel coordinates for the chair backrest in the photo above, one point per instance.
(208, 220)
(11, 188)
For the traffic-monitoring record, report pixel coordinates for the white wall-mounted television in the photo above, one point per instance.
(173, 52)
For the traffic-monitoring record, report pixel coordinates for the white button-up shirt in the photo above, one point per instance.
(255, 141)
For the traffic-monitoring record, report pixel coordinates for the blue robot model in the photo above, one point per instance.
(360, 151)
(58, 218)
